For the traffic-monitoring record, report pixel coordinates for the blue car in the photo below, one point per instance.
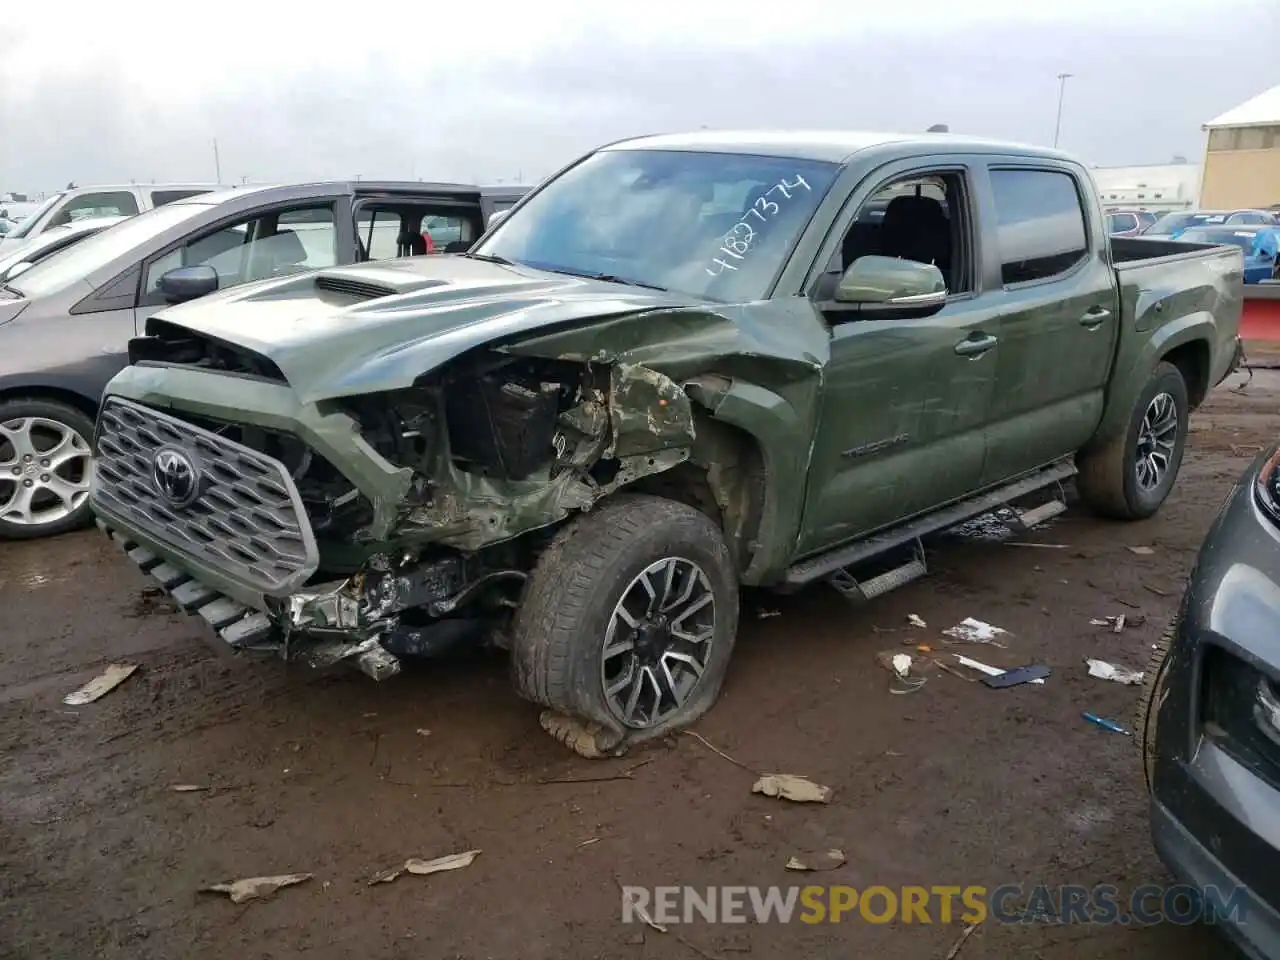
(1261, 245)
(1171, 225)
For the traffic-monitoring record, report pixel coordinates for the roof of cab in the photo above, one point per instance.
(832, 146)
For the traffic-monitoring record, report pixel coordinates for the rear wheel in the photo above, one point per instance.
(45, 468)
(627, 623)
(1130, 476)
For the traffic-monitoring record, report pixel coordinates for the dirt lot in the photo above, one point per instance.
(338, 776)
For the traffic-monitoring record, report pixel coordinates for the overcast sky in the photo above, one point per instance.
(490, 91)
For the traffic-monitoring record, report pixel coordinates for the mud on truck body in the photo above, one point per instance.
(682, 365)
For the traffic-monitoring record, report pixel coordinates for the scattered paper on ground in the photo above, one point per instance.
(986, 668)
(101, 685)
(256, 888)
(1116, 624)
(899, 665)
(187, 788)
(787, 786)
(1110, 671)
(454, 861)
(970, 630)
(816, 863)
(915, 621)
(1142, 551)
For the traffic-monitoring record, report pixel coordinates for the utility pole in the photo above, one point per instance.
(217, 163)
(1062, 89)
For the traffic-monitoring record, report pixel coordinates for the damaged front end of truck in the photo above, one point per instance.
(419, 541)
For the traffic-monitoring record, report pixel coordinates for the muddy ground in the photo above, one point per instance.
(953, 784)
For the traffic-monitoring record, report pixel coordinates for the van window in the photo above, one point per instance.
(1040, 224)
(89, 205)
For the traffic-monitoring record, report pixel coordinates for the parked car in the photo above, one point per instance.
(1172, 224)
(579, 442)
(1260, 245)
(27, 255)
(1209, 718)
(81, 203)
(1129, 223)
(65, 323)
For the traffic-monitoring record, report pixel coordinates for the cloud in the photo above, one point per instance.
(465, 92)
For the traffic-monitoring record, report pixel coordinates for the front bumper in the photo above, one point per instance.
(1255, 929)
(1215, 813)
(237, 627)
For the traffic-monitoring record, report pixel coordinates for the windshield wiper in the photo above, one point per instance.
(610, 278)
(489, 258)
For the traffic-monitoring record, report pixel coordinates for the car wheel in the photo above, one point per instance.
(627, 622)
(45, 468)
(1147, 713)
(1130, 476)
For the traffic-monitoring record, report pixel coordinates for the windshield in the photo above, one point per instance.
(714, 225)
(1241, 238)
(1173, 222)
(36, 215)
(83, 258)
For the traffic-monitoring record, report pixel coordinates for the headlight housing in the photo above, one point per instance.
(1267, 486)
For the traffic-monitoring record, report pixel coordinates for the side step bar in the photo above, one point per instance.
(827, 564)
(241, 628)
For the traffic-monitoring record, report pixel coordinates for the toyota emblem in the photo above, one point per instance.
(175, 475)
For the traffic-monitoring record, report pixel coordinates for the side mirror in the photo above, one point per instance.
(18, 269)
(887, 286)
(188, 283)
(496, 217)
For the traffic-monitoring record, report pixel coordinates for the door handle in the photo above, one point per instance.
(975, 345)
(1094, 317)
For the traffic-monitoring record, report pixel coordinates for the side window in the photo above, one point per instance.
(1122, 221)
(1040, 224)
(160, 197)
(446, 230)
(924, 218)
(89, 205)
(269, 245)
(411, 231)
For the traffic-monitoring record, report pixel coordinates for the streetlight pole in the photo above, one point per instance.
(1062, 89)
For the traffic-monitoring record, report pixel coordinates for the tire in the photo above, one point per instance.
(596, 562)
(33, 502)
(1109, 479)
(1146, 715)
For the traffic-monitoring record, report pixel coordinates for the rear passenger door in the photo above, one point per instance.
(1052, 285)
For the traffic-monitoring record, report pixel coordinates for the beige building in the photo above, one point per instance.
(1242, 156)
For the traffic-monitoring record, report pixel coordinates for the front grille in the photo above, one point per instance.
(1241, 710)
(246, 518)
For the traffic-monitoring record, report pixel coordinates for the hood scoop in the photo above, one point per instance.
(366, 289)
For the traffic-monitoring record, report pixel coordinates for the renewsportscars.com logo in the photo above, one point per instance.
(1011, 903)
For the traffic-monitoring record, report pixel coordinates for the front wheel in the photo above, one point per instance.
(1130, 476)
(628, 620)
(45, 468)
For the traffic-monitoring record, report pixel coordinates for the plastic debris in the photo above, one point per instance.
(187, 788)
(1110, 671)
(915, 621)
(101, 685)
(1105, 724)
(900, 664)
(421, 868)
(1142, 551)
(1017, 676)
(786, 786)
(766, 614)
(256, 888)
(1117, 624)
(986, 668)
(817, 863)
(970, 630)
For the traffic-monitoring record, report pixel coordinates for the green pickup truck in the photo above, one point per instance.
(683, 364)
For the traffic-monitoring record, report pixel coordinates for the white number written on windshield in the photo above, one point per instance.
(738, 242)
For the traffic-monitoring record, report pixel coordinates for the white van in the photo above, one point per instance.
(80, 203)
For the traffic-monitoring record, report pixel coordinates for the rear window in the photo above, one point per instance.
(88, 206)
(160, 197)
(1040, 224)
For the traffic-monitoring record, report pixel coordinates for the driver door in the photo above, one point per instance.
(905, 402)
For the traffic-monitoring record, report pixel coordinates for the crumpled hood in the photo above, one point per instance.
(439, 307)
